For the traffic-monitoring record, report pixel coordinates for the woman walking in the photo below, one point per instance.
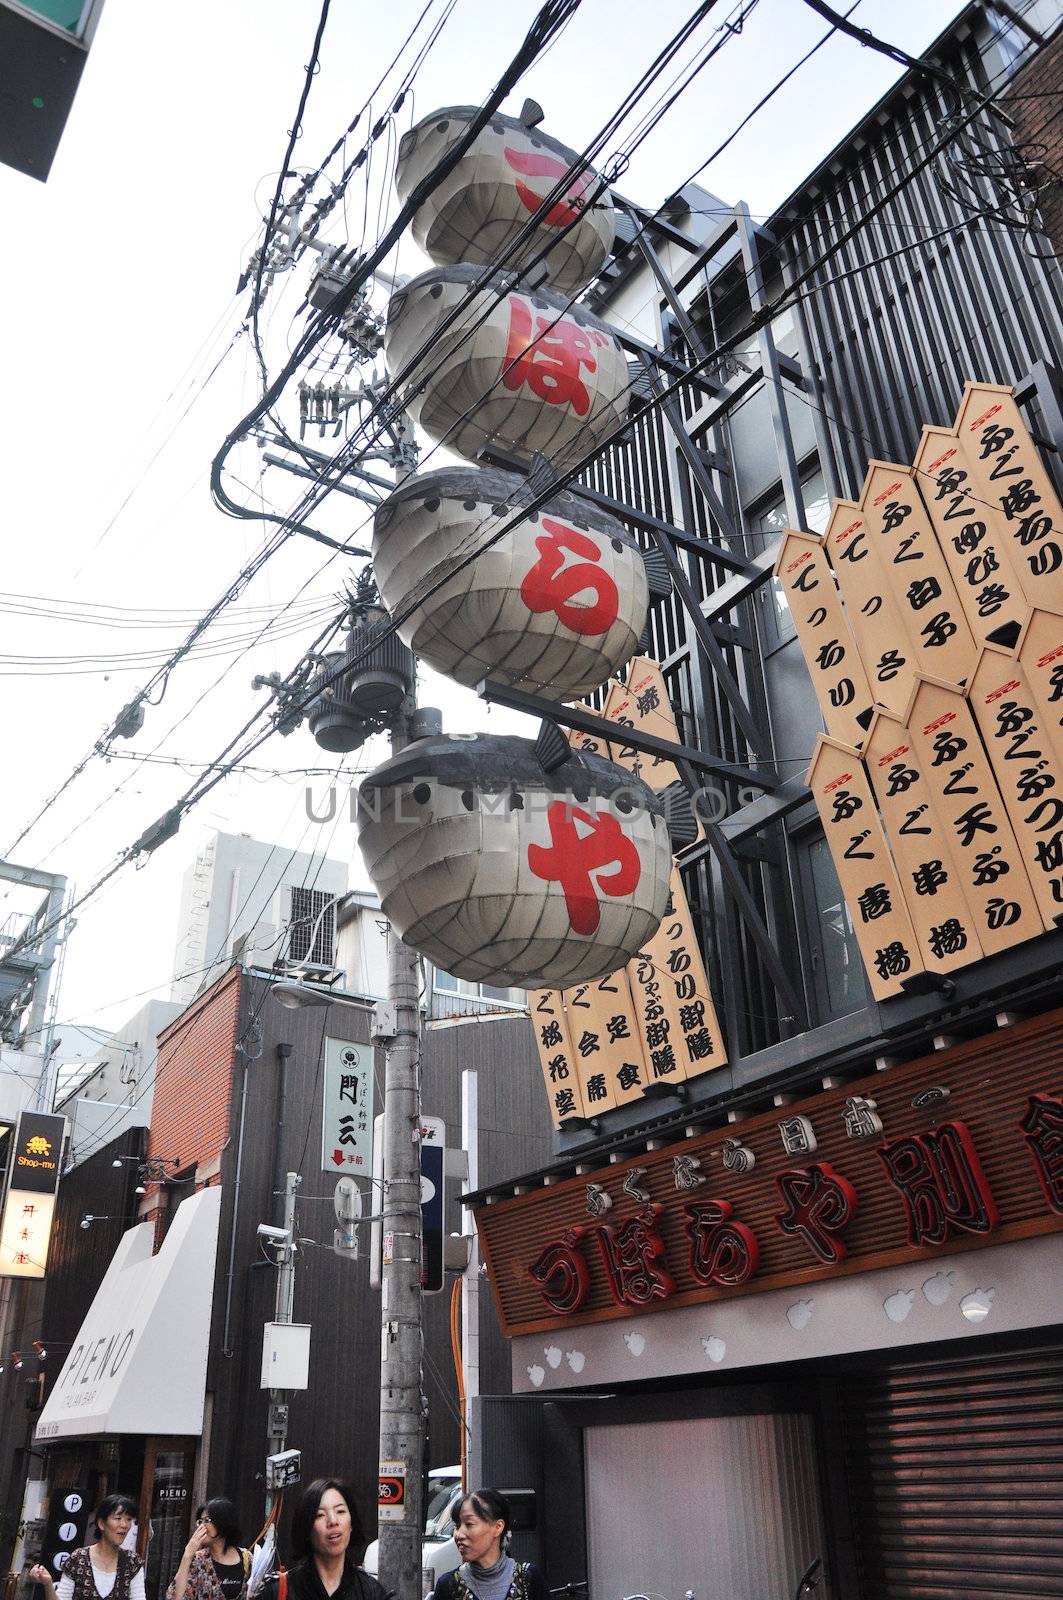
(103, 1570)
(326, 1538)
(214, 1566)
(486, 1571)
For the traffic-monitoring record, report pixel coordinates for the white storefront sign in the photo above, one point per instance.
(139, 1362)
(347, 1109)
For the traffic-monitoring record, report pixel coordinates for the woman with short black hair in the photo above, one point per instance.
(487, 1571)
(213, 1565)
(103, 1570)
(327, 1540)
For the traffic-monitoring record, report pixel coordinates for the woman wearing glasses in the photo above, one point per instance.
(214, 1565)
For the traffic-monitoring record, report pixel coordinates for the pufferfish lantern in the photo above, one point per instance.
(554, 606)
(486, 202)
(511, 862)
(523, 370)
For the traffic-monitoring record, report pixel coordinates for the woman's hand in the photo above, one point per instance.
(41, 1575)
(197, 1542)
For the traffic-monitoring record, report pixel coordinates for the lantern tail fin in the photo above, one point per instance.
(658, 576)
(679, 815)
(552, 749)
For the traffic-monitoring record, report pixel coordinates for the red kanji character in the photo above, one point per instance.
(551, 586)
(573, 855)
(942, 1184)
(535, 165)
(635, 1266)
(562, 1275)
(819, 1204)
(721, 1251)
(547, 351)
(1042, 1128)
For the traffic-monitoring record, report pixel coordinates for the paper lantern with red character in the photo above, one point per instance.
(486, 202)
(522, 370)
(555, 606)
(511, 862)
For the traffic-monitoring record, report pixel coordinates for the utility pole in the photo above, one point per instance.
(401, 1417)
(470, 1283)
(283, 1305)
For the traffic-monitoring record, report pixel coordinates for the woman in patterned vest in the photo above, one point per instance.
(100, 1571)
(487, 1571)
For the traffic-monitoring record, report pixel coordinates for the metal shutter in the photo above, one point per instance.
(955, 1470)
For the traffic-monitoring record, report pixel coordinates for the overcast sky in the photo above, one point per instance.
(119, 292)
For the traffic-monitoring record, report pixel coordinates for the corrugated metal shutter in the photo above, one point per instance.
(955, 1470)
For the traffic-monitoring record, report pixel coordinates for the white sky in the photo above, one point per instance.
(119, 276)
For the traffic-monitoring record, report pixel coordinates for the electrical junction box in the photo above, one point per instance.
(284, 1469)
(285, 1355)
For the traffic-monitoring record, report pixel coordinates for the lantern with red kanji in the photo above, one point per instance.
(555, 606)
(521, 370)
(511, 862)
(482, 209)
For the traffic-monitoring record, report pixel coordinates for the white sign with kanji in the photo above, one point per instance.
(347, 1108)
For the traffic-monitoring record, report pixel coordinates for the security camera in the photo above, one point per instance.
(267, 1231)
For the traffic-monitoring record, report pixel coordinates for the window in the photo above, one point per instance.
(773, 518)
(838, 975)
(446, 983)
(309, 917)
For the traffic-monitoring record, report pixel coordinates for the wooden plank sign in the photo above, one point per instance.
(589, 741)
(833, 660)
(1007, 471)
(1040, 650)
(973, 815)
(556, 1054)
(866, 871)
(1027, 769)
(881, 635)
(673, 1002)
(972, 535)
(606, 1041)
(899, 526)
(945, 924)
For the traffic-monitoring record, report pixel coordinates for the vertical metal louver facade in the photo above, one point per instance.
(955, 1475)
(893, 341)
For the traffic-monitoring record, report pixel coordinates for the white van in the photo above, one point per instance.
(439, 1553)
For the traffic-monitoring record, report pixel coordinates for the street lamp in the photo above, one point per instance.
(396, 1025)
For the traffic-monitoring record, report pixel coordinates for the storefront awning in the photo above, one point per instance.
(139, 1362)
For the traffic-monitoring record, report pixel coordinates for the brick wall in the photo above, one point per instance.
(193, 1084)
(1035, 104)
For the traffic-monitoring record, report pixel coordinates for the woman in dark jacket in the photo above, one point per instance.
(486, 1571)
(324, 1527)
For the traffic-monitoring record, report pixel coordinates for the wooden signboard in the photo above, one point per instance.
(972, 536)
(954, 1152)
(831, 655)
(973, 815)
(643, 703)
(900, 528)
(931, 881)
(606, 1041)
(866, 870)
(1028, 770)
(677, 1020)
(1040, 650)
(556, 1054)
(878, 626)
(1007, 472)
(590, 741)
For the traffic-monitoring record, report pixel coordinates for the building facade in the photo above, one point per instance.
(799, 1306)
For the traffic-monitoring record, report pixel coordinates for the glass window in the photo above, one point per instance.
(774, 518)
(445, 981)
(839, 969)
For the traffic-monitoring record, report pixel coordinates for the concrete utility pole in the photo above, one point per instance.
(401, 1418)
(283, 1305)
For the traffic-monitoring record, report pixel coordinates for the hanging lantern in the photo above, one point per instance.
(510, 862)
(555, 607)
(481, 207)
(372, 682)
(534, 374)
